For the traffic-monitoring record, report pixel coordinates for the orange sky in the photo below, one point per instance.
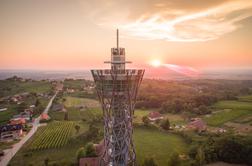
(78, 34)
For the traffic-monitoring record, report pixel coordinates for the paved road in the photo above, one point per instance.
(11, 152)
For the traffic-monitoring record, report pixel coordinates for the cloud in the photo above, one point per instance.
(173, 21)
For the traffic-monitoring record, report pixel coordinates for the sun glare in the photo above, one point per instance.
(155, 63)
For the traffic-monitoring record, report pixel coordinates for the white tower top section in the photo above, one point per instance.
(117, 56)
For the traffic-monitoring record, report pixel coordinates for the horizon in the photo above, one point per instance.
(77, 35)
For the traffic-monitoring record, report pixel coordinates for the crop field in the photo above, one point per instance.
(54, 135)
(225, 116)
(75, 101)
(235, 105)
(76, 115)
(230, 110)
(246, 98)
(8, 88)
(153, 143)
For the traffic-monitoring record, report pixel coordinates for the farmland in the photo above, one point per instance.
(54, 135)
(157, 144)
(229, 111)
(8, 87)
(75, 101)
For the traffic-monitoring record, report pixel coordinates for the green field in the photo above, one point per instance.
(54, 135)
(8, 88)
(246, 98)
(235, 105)
(225, 116)
(151, 142)
(76, 115)
(75, 101)
(5, 116)
(228, 111)
(155, 143)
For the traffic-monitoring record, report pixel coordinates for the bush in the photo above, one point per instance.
(165, 124)
(174, 160)
(149, 162)
(90, 150)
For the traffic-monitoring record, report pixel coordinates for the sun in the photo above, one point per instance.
(155, 63)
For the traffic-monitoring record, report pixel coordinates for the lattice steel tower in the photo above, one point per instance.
(117, 89)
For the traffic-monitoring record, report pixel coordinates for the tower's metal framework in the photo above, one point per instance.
(117, 90)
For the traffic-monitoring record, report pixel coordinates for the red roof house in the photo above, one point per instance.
(18, 121)
(153, 116)
(197, 124)
(93, 161)
(44, 116)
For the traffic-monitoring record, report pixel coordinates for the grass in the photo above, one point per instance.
(231, 110)
(151, 142)
(224, 116)
(247, 98)
(5, 116)
(235, 105)
(173, 118)
(8, 88)
(65, 155)
(76, 114)
(75, 101)
(155, 143)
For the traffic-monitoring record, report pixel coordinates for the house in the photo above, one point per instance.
(197, 124)
(93, 161)
(25, 115)
(44, 116)
(3, 109)
(11, 131)
(70, 90)
(58, 107)
(153, 116)
(21, 121)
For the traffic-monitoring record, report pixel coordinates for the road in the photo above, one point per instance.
(11, 152)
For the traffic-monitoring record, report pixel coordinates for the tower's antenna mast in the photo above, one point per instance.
(117, 40)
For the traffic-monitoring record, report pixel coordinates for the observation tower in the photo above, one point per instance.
(117, 90)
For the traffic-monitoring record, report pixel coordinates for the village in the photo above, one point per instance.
(76, 111)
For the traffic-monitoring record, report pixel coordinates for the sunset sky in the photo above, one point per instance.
(78, 34)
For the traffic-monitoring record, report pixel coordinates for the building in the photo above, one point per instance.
(153, 116)
(3, 109)
(11, 131)
(117, 89)
(44, 116)
(21, 121)
(197, 124)
(93, 161)
(23, 115)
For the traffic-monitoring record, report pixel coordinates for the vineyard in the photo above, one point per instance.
(54, 135)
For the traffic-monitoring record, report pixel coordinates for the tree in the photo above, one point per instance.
(77, 128)
(93, 132)
(37, 103)
(46, 161)
(90, 150)
(21, 107)
(80, 153)
(66, 116)
(174, 160)
(149, 162)
(165, 124)
(200, 157)
(145, 120)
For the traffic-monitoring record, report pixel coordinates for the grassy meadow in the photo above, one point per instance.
(229, 111)
(8, 87)
(151, 142)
